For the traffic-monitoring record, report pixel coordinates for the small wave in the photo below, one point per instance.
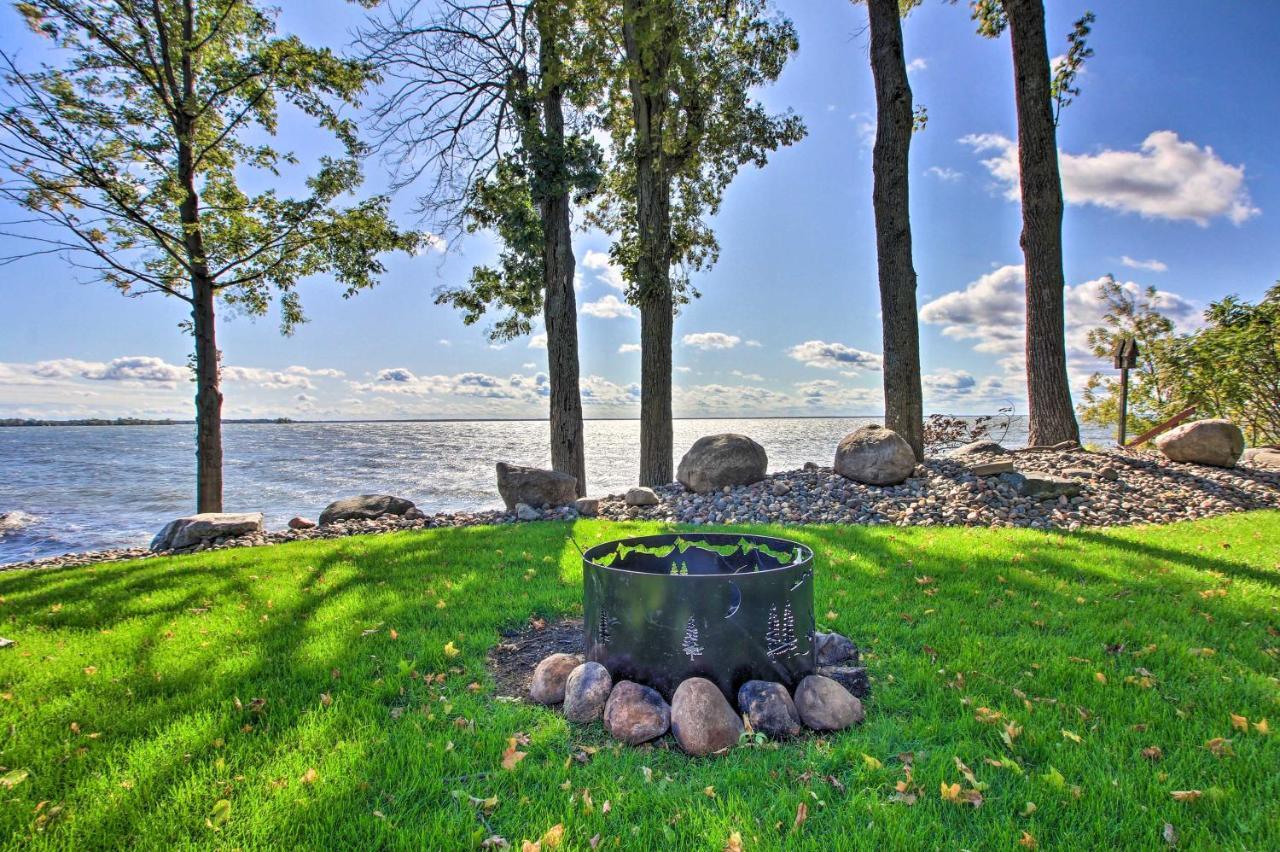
(15, 520)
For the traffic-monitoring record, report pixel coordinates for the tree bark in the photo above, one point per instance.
(903, 397)
(560, 308)
(1051, 416)
(648, 60)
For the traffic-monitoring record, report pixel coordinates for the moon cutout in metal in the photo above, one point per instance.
(735, 600)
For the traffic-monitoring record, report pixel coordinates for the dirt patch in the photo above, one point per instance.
(511, 662)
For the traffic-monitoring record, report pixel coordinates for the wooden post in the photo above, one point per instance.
(1124, 404)
(1124, 356)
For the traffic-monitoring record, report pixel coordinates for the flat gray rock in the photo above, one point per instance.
(979, 448)
(206, 526)
(769, 709)
(586, 691)
(366, 507)
(635, 714)
(992, 468)
(825, 705)
(1046, 486)
(534, 486)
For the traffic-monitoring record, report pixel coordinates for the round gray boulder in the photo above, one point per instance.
(825, 705)
(1213, 442)
(769, 709)
(535, 487)
(635, 713)
(586, 691)
(701, 718)
(874, 455)
(550, 676)
(715, 461)
(366, 507)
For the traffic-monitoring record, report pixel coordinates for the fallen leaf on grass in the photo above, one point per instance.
(987, 716)
(1071, 735)
(1054, 779)
(1029, 809)
(1262, 727)
(90, 670)
(709, 792)
(802, 814)
(1240, 723)
(1185, 795)
(220, 814)
(954, 793)
(393, 634)
(1219, 746)
(1201, 652)
(871, 762)
(1170, 834)
(1100, 677)
(1011, 732)
(310, 776)
(510, 757)
(734, 843)
(325, 699)
(13, 778)
(1027, 841)
(1153, 753)
(451, 650)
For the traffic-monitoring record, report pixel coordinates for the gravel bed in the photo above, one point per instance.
(1117, 488)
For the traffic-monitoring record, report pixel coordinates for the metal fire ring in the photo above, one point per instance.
(724, 606)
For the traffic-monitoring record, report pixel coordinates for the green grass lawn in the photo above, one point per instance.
(334, 694)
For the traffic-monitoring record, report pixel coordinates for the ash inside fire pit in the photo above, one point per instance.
(726, 607)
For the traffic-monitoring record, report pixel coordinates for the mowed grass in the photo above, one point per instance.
(334, 694)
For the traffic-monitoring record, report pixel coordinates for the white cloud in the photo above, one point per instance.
(290, 377)
(444, 341)
(538, 341)
(754, 344)
(628, 347)
(1149, 265)
(751, 377)
(598, 391)
(608, 307)
(141, 369)
(944, 173)
(708, 340)
(917, 64)
(828, 395)
(830, 356)
(606, 272)
(1166, 178)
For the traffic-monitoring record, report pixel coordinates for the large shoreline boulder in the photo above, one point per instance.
(717, 461)
(874, 455)
(206, 526)
(535, 487)
(1214, 442)
(366, 507)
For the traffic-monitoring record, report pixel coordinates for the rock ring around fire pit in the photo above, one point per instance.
(720, 625)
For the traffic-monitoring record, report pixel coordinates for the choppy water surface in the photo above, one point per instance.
(71, 488)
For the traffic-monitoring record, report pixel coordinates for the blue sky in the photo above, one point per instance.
(1170, 168)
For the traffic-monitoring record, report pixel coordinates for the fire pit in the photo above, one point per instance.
(723, 606)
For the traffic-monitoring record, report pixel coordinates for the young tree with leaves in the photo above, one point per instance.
(891, 199)
(127, 159)
(476, 115)
(677, 103)
(1051, 418)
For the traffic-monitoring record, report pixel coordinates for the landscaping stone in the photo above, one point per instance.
(587, 506)
(701, 719)
(874, 455)
(992, 468)
(833, 648)
(853, 678)
(1264, 457)
(635, 713)
(825, 705)
(781, 489)
(1082, 473)
(206, 526)
(585, 692)
(1213, 442)
(300, 523)
(979, 448)
(414, 514)
(535, 486)
(715, 461)
(1043, 486)
(769, 709)
(550, 676)
(364, 507)
(525, 512)
(642, 496)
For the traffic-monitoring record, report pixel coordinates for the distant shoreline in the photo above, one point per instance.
(286, 421)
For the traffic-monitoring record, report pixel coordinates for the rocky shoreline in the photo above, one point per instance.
(1084, 488)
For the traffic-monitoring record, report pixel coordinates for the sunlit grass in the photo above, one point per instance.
(260, 698)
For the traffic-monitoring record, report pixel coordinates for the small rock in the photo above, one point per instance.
(525, 512)
(811, 466)
(992, 468)
(642, 496)
(414, 514)
(587, 506)
(550, 676)
(769, 709)
(300, 523)
(979, 448)
(635, 713)
(586, 691)
(825, 705)
(701, 718)
(833, 648)
(1081, 473)
(780, 489)
(852, 678)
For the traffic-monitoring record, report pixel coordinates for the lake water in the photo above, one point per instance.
(94, 487)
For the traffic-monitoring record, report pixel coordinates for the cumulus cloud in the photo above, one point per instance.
(290, 377)
(138, 369)
(944, 174)
(708, 340)
(538, 341)
(606, 272)
(628, 347)
(829, 394)
(608, 307)
(1166, 178)
(1152, 265)
(754, 344)
(917, 64)
(831, 356)
(598, 391)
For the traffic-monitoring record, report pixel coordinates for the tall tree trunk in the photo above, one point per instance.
(560, 308)
(648, 66)
(1051, 417)
(208, 400)
(903, 402)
